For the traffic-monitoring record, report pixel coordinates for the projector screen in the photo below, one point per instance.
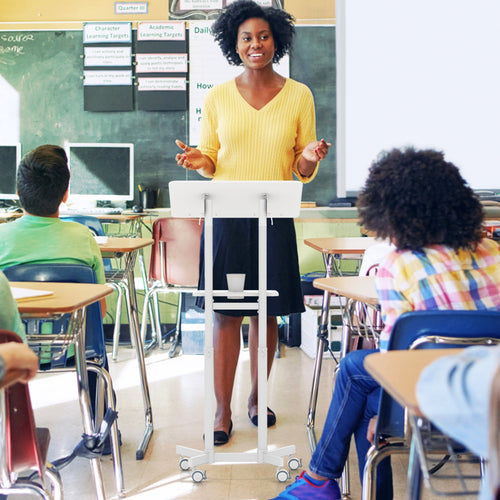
(424, 73)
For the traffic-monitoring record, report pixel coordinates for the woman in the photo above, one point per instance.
(259, 126)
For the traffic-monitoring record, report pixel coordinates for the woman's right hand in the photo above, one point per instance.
(190, 158)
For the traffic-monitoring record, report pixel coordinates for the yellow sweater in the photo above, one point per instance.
(246, 144)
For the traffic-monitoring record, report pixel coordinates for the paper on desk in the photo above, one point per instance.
(27, 293)
(101, 240)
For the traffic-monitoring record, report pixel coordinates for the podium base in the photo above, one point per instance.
(274, 457)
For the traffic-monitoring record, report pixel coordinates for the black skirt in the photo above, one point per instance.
(236, 251)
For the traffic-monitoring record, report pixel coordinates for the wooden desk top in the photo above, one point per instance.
(398, 372)
(360, 288)
(350, 245)
(123, 217)
(124, 245)
(67, 297)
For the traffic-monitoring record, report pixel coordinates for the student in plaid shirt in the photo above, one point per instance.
(420, 202)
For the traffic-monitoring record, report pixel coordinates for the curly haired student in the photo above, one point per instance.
(420, 202)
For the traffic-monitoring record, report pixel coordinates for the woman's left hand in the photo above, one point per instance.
(316, 151)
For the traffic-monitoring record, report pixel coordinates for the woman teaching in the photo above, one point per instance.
(258, 126)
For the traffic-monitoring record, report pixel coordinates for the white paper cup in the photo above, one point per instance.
(235, 282)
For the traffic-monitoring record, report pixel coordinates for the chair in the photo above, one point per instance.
(422, 330)
(494, 437)
(115, 276)
(361, 323)
(23, 447)
(95, 347)
(361, 327)
(174, 267)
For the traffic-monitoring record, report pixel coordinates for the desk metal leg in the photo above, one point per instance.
(155, 331)
(331, 265)
(321, 343)
(78, 318)
(105, 379)
(135, 331)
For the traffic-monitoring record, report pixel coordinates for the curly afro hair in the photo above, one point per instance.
(416, 198)
(225, 28)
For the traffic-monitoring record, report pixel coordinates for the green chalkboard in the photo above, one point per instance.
(44, 70)
(313, 62)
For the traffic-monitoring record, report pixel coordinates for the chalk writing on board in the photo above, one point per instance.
(23, 38)
(16, 48)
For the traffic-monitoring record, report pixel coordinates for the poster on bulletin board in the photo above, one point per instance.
(107, 75)
(208, 9)
(161, 66)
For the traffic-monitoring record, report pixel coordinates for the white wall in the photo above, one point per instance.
(423, 73)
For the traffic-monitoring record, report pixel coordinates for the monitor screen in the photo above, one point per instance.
(101, 171)
(10, 156)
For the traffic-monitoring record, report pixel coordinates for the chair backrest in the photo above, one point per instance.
(93, 223)
(175, 254)
(22, 450)
(95, 346)
(434, 329)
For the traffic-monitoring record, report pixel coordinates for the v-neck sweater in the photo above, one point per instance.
(246, 143)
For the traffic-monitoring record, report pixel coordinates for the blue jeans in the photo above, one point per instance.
(354, 402)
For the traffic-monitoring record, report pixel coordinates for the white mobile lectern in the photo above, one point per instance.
(255, 199)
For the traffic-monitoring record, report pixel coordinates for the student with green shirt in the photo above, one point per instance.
(9, 315)
(40, 236)
(14, 355)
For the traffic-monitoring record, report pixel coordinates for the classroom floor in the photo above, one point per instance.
(176, 387)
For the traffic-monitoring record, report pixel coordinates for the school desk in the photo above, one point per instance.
(128, 248)
(332, 250)
(72, 298)
(408, 365)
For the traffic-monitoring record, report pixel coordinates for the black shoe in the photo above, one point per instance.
(221, 437)
(271, 418)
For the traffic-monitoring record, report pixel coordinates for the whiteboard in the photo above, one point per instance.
(424, 73)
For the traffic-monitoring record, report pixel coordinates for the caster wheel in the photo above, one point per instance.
(184, 464)
(198, 476)
(294, 464)
(282, 475)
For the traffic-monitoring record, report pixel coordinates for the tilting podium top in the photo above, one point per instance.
(236, 199)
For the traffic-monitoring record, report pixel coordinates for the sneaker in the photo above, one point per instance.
(303, 489)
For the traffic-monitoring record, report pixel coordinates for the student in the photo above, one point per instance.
(258, 126)
(17, 356)
(14, 355)
(39, 236)
(455, 392)
(9, 315)
(421, 204)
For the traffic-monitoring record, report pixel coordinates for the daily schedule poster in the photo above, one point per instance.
(207, 68)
